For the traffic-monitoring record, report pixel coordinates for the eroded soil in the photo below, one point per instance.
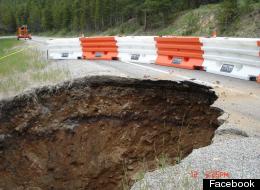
(100, 132)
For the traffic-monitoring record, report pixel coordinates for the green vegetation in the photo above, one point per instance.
(197, 22)
(113, 17)
(25, 69)
(244, 22)
(7, 45)
(89, 15)
(179, 17)
(228, 13)
(202, 22)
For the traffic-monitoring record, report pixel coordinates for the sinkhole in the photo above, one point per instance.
(101, 132)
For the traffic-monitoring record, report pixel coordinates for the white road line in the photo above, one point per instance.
(158, 70)
(172, 74)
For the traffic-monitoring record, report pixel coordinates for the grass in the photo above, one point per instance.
(61, 33)
(197, 22)
(8, 45)
(163, 161)
(247, 24)
(25, 69)
(129, 27)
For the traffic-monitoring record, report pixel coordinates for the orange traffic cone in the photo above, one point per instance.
(214, 34)
(258, 79)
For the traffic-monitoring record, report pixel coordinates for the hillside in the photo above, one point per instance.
(135, 17)
(199, 22)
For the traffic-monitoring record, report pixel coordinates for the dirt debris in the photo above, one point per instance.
(99, 132)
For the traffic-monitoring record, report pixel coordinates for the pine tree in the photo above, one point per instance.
(47, 19)
(97, 14)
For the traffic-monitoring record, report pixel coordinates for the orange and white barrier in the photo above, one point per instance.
(258, 78)
(234, 57)
(181, 52)
(65, 48)
(137, 49)
(99, 48)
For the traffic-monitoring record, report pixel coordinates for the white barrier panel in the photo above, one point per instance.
(137, 49)
(66, 48)
(234, 57)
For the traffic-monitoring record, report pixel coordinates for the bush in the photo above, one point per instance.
(192, 24)
(228, 13)
(246, 6)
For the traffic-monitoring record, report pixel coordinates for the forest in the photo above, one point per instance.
(91, 15)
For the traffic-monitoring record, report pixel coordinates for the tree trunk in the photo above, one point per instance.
(145, 20)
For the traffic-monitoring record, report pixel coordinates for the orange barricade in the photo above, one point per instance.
(99, 48)
(258, 79)
(22, 32)
(181, 52)
(258, 44)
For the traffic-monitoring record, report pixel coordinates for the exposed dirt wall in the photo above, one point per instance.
(99, 132)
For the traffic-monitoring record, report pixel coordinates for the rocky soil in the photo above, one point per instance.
(100, 132)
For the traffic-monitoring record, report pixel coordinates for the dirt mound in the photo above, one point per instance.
(99, 132)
